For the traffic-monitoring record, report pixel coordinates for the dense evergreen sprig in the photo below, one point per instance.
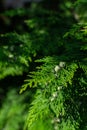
(61, 85)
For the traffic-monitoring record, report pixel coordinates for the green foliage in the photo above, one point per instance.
(61, 85)
(41, 38)
(52, 47)
(80, 7)
(13, 60)
(13, 112)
